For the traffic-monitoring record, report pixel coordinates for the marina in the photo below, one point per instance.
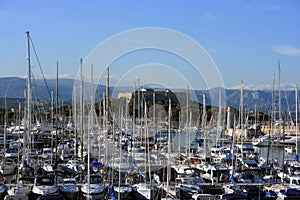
(220, 174)
(105, 155)
(148, 142)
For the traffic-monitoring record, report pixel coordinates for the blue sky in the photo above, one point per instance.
(245, 39)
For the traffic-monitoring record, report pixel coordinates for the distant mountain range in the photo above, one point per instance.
(16, 90)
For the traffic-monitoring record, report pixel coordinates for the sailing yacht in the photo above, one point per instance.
(7, 165)
(144, 191)
(19, 192)
(95, 188)
(44, 184)
(122, 190)
(69, 188)
(2, 190)
(262, 141)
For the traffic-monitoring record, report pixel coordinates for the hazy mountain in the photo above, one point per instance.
(16, 88)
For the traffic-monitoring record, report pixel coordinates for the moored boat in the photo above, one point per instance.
(43, 185)
(7, 166)
(144, 191)
(94, 189)
(69, 188)
(15, 197)
(3, 190)
(122, 190)
(51, 197)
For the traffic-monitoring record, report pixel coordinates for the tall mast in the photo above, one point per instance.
(139, 109)
(75, 119)
(56, 110)
(169, 141)
(133, 119)
(81, 110)
(26, 139)
(187, 121)
(107, 97)
(272, 119)
(90, 129)
(296, 100)
(279, 97)
(92, 99)
(5, 121)
(106, 105)
(203, 111)
(242, 105)
(154, 119)
(219, 120)
(204, 120)
(52, 125)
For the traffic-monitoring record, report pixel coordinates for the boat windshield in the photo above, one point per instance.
(95, 179)
(44, 181)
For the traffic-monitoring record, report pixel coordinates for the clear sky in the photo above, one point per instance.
(245, 39)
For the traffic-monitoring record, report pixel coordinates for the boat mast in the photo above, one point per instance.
(147, 138)
(107, 110)
(242, 105)
(219, 120)
(204, 117)
(296, 101)
(271, 120)
(169, 142)
(139, 110)
(279, 98)
(90, 131)
(26, 138)
(81, 110)
(133, 121)
(203, 111)
(5, 121)
(120, 149)
(107, 98)
(75, 119)
(56, 112)
(52, 124)
(187, 121)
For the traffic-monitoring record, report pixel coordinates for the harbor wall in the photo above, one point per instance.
(287, 130)
(250, 133)
(244, 133)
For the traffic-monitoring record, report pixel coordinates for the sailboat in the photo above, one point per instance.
(121, 189)
(144, 190)
(69, 188)
(3, 189)
(7, 165)
(21, 191)
(44, 185)
(27, 166)
(93, 187)
(168, 190)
